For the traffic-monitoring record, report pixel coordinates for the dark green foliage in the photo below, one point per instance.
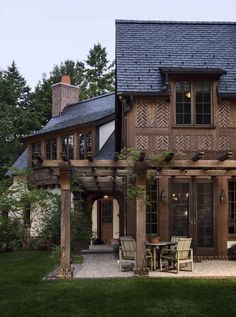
(42, 96)
(24, 293)
(100, 75)
(17, 117)
(94, 77)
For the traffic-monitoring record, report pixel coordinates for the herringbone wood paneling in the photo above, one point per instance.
(142, 142)
(182, 142)
(162, 142)
(141, 114)
(224, 143)
(162, 113)
(204, 142)
(224, 114)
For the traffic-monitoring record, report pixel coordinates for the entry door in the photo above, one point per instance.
(106, 217)
(192, 213)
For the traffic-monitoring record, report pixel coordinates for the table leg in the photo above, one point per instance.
(154, 258)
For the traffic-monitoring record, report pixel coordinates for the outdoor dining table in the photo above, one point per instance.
(160, 245)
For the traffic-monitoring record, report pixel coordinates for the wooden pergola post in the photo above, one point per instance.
(141, 219)
(65, 269)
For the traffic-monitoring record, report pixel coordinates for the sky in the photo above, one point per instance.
(38, 34)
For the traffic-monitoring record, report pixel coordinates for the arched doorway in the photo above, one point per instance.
(105, 220)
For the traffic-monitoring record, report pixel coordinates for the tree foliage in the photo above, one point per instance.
(17, 116)
(23, 111)
(95, 76)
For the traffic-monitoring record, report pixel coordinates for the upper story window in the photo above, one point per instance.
(51, 149)
(67, 146)
(36, 148)
(193, 102)
(85, 144)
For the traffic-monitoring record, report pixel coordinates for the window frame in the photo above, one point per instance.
(69, 151)
(49, 145)
(193, 83)
(86, 134)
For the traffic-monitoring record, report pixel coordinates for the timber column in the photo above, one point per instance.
(141, 171)
(64, 168)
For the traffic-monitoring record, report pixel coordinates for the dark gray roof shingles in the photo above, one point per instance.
(86, 111)
(143, 47)
(107, 151)
(20, 163)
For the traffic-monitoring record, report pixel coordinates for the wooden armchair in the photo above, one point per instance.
(182, 254)
(127, 251)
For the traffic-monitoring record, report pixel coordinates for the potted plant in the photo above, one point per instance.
(153, 238)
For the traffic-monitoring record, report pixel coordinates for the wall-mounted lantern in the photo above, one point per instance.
(163, 197)
(222, 196)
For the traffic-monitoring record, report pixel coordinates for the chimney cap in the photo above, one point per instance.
(66, 79)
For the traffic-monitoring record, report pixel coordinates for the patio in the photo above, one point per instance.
(106, 265)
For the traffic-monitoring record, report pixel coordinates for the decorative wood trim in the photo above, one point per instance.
(224, 110)
(142, 142)
(162, 142)
(141, 114)
(224, 143)
(162, 113)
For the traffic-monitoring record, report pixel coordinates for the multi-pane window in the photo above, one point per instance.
(85, 144)
(51, 149)
(151, 208)
(106, 211)
(67, 146)
(193, 102)
(232, 207)
(36, 148)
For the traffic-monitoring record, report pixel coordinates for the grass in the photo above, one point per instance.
(24, 293)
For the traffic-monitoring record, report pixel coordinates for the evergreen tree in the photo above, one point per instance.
(16, 114)
(42, 96)
(100, 75)
(94, 77)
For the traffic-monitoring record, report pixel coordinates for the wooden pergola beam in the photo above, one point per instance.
(87, 163)
(226, 156)
(198, 172)
(197, 156)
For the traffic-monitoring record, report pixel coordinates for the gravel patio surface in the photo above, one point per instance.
(106, 265)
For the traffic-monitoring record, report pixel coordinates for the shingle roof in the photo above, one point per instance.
(86, 111)
(107, 151)
(20, 163)
(143, 47)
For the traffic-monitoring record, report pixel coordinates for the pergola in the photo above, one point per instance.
(107, 175)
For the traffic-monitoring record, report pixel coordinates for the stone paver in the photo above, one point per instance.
(99, 265)
(204, 269)
(105, 265)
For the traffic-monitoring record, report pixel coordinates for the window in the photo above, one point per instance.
(193, 102)
(67, 146)
(36, 148)
(51, 149)
(85, 144)
(232, 207)
(151, 208)
(106, 211)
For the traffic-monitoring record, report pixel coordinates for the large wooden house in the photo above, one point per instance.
(175, 102)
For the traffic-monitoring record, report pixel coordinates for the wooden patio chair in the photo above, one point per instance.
(127, 251)
(176, 238)
(182, 254)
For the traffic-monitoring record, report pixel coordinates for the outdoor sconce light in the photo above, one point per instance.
(222, 196)
(163, 197)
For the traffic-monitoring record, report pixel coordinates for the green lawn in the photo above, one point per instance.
(24, 293)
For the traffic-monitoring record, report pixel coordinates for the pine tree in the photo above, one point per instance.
(16, 114)
(99, 74)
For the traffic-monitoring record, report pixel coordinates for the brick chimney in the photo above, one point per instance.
(63, 94)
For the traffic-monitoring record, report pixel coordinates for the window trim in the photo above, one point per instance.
(193, 123)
